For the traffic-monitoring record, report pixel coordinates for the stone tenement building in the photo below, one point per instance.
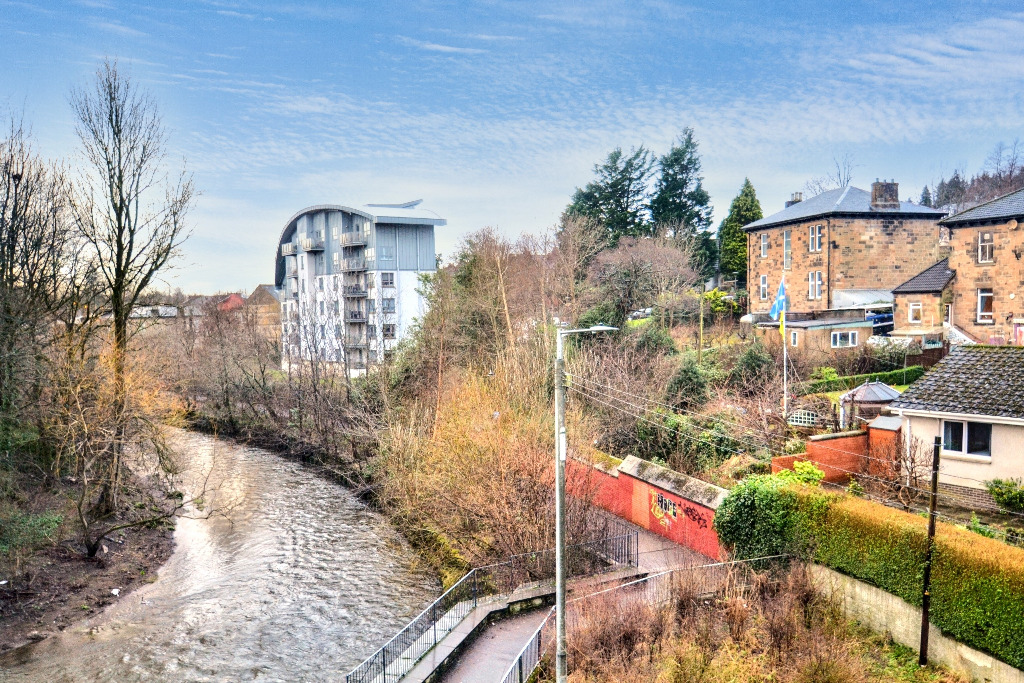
(842, 249)
(987, 248)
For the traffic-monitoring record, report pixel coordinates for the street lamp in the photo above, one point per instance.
(561, 669)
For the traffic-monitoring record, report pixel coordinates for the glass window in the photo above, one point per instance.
(792, 338)
(817, 289)
(842, 340)
(979, 438)
(764, 244)
(388, 331)
(986, 247)
(985, 307)
(371, 332)
(814, 283)
(387, 279)
(814, 238)
(914, 313)
(387, 253)
(787, 251)
(387, 306)
(371, 306)
(764, 287)
(953, 436)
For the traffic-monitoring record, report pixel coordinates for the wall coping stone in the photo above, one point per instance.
(682, 485)
(837, 435)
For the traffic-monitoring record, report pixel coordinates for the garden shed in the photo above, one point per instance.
(865, 403)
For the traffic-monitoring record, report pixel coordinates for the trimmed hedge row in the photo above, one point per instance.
(904, 376)
(977, 582)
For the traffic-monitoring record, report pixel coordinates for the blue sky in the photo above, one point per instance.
(493, 111)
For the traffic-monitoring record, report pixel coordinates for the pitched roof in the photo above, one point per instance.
(870, 392)
(974, 380)
(1005, 207)
(845, 200)
(932, 279)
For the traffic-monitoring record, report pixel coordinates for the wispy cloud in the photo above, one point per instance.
(238, 15)
(437, 47)
(118, 28)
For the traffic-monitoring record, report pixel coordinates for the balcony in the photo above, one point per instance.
(353, 264)
(293, 271)
(354, 239)
(355, 317)
(355, 291)
(288, 249)
(355, 342)
(312, 243)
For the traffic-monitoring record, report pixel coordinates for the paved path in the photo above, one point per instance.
(496, 648)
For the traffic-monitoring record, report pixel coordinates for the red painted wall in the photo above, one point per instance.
(665, 513)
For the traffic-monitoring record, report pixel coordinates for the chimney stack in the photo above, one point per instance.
(795, 199)
(885, 194)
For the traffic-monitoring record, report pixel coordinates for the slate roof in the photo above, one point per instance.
(931, 280)
(845, 200)
(870, 392)
(974, 380)
(1005, 207)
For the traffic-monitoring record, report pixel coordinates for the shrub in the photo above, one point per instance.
(825, 374)
(758, 517)
(688, 387)
(1008, 493)
(753, 368)
(803, 472)
(603, 313)
(655, 339)
(905, 376)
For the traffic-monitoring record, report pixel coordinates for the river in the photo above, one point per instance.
(296, 581)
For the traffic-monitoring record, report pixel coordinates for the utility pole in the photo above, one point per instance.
(926, 596)
(561, 643)
(700, 342)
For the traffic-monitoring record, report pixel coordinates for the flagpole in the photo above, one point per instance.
(785, 368)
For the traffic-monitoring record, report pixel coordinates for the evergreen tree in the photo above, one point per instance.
(926, 197)
(745, 209)
(617, 197)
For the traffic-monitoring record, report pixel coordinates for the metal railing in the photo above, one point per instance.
(354, 238)
(312, 243)
(355, 291)
(400, 654)
(529, 657)
(354, 264)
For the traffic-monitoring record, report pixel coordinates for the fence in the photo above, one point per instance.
(398, 656)
(695, 584)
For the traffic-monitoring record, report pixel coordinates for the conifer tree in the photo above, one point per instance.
(617, 197)
(926, 197)
(745, 209)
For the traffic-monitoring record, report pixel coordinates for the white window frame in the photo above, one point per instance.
(986, 247)
(787, 249)
(792, 338)
(814, 284)
(387, 276)
(964, 453)
(764, 288)
(984, 318)
(851, 337)
(764, 245)
(814, 238)
(912, 307)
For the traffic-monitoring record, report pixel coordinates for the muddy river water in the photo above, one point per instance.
(298, 581)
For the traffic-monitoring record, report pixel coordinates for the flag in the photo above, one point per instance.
(778, 311)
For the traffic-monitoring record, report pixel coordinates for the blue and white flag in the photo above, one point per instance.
(778, 311)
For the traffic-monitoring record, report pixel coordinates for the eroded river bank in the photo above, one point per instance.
(296, 581)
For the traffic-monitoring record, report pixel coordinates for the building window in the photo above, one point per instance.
(842, 340)
(914, 313)
(371, 306)
(387, 279)
(337, 307)
(371, 332)
(978, 439)
(792, 338)
(986, 247)
(814, 284)
(387, 306)
(985, 312)
(764, 287)
(335, 257)
(321, 308)
(814, 238)
(764, 244)
(388, 331)
(947, 312)
(787, 251)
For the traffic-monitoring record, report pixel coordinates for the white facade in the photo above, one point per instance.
(349, 279)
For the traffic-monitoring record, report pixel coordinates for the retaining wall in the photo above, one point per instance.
(663, 501)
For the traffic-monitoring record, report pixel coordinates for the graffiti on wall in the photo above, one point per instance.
(663, 509)
(696, 516)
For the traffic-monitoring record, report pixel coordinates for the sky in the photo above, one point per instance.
(494, 111)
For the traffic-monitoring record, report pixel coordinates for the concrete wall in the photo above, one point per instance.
(680, 508)
(886, 613)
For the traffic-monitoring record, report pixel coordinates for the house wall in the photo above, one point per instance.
(815, 345)
(1006, 461)
(931, 310)
(858, 253)
(1005, 276)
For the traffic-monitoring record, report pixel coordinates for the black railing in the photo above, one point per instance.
(400, 654)
(529, 657)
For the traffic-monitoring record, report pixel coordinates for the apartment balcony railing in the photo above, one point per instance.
(355, 317)
(288, 249)
(355, 342)
(293, 271)
(312, 243)
(352, 264)
(355, 291)
(353, 239)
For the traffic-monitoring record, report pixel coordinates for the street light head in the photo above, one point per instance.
(602, 328)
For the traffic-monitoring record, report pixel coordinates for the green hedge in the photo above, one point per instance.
(906, 376)
(977, 582)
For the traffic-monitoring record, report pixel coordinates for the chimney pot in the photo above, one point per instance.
(795, 198)
(885, 195)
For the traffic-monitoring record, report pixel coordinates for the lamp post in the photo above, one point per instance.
(561, 669)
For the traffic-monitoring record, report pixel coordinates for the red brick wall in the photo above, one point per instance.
(680, 520)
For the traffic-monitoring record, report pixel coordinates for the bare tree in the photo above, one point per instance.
(840, 176)
(127, 209)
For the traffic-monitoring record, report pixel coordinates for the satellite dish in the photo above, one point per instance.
(1012, 225)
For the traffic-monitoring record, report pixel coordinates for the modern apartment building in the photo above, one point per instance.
(349, 279)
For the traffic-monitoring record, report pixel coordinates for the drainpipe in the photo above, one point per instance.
(828, 263)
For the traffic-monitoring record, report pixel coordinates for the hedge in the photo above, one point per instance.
(904, 376)
(977, 582)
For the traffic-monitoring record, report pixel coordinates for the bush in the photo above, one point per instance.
(977, 583)
(753, 368)
(803, 472)
(655, 339)
(603, 313)
(1008, 494)
(825, 374)
(688, 388)
(907, 376)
